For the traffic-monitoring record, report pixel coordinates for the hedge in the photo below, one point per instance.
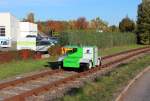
(16, 55)
(102, 40)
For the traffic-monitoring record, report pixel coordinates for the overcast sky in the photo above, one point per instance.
(111, 11)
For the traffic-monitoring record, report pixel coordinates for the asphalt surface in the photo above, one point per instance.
(140, 90)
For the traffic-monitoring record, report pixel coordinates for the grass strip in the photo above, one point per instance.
(113, 50)
(19, 67)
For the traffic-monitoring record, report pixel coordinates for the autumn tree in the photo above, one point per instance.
(127, 25)
(41, 27)
(81, 23)
(65, 25)
(143, 22)
(72, 24)
(51, 27)
(98, 24)
(55, 26)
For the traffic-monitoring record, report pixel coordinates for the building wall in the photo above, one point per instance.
(24, 42)
(27, 28)
(14, 28)
(5, 21)
(11, 28)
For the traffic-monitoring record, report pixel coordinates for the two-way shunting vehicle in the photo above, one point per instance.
(79, 57)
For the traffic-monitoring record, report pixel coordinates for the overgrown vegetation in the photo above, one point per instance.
(105, 88)
(101, 40)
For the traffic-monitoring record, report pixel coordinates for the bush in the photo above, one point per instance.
(26, 54)
(7, 56)
(55, 50)
(16, 55)
(102, 40)
(145, 38)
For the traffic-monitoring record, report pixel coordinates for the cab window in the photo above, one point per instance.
(74, 50)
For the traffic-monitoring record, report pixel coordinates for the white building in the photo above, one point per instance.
(27, 28)
(15, 34)
(9, 29)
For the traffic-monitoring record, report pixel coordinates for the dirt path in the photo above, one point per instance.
(140, 90)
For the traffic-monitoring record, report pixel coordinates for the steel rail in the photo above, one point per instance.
(109, 56)
(28, 78)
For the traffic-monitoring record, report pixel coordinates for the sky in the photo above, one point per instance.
(111, 11)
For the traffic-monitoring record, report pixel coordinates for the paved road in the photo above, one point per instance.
(140, 90)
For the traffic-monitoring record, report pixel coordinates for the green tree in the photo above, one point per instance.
(127, 25)
(143, 22)
(113, 28)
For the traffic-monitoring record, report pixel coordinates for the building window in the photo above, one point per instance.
(2, 30)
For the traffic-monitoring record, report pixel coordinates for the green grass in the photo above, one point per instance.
(19, 67)
(23, 66)
(113, 50)
(105, 87)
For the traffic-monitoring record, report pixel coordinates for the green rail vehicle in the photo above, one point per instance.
(77, 57)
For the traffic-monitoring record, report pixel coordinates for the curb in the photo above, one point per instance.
(119, 98)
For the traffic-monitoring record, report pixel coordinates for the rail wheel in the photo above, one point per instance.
(99, 62)
(89, 65)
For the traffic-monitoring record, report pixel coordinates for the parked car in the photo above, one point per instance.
(43, 45)
(54, 40)
(5, 42)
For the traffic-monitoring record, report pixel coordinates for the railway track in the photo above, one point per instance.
(23, 88)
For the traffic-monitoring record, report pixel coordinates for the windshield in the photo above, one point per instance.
(31, 36)
(74, 50)
(43, 43)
